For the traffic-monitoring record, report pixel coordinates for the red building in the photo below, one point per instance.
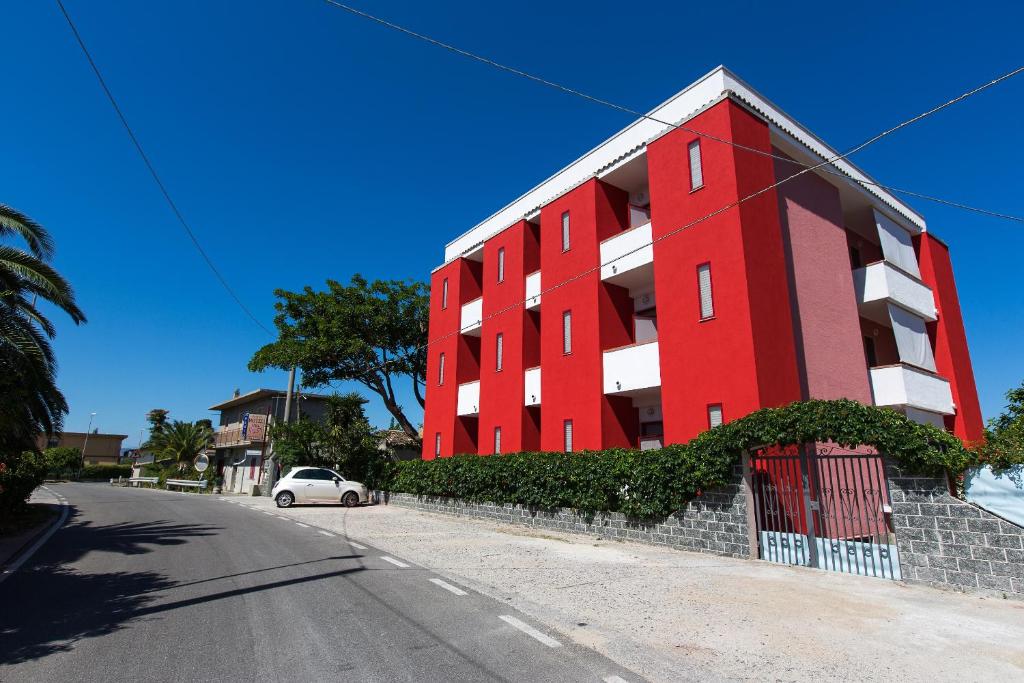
(659, 285)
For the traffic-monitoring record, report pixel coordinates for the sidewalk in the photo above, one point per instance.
(671, 615)
(11, 547)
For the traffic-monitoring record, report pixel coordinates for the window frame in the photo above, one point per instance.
(711, 293)
(721, 415)
(567, 327)
(566, 232)
(567, 435)
(444, 294)
(440, 369)
(499, 351)
(501, 264)
(497, 440)
(695, 144)
(437, 444)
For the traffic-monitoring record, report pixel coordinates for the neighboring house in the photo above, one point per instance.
(99, 449)
(241, 440)
(681, 289)
(398, 444)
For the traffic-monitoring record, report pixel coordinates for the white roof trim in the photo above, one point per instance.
(680, 107)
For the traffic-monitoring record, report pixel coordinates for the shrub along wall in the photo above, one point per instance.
(656, 483)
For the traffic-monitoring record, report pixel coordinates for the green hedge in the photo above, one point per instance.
(104, 472)
(20, 474)
(658, 482)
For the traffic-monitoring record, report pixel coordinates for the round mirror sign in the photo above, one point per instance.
(201, 463)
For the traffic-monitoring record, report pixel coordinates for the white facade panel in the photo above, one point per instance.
(632, 368)
(906, 386)
(882, 282)
(468, 403)
(531, 382)
(472, 317)
(533, 291)
(626, 252)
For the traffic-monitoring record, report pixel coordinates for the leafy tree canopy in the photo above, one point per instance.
(1004, 438)
(367, 332)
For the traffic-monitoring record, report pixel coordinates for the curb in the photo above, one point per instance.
(13, 562)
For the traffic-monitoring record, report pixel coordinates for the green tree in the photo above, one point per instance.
(157, 419)
(181, 441)
(1003, 447)
(63, 458)
(30, 402)
(366, 332)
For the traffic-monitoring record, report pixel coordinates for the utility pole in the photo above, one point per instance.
(85, 444)
(272, 461)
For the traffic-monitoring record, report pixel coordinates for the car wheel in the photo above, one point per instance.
(284, 499)
(350, 499)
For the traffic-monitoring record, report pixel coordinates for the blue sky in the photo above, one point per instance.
(303, 143)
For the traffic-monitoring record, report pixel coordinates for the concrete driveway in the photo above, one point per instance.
(671, 615)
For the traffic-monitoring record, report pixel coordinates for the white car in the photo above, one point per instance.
(317, 485)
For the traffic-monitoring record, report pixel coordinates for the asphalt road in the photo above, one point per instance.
(154, 586)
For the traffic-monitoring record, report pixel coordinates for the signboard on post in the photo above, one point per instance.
(254, 427)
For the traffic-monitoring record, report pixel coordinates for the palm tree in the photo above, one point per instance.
(30, 402)
(182, 441)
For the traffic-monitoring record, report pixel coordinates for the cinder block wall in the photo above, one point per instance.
(715, 522)
(945, 541)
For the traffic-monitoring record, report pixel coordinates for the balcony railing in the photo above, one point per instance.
(881, 282)
(468, 404)
(533, 291)
(472, 317)
(904, 385)
(231, 436)
(632, 368)
(628, 258)
(531, 382)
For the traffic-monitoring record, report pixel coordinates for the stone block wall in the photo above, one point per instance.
(944, 541)
(715, 522)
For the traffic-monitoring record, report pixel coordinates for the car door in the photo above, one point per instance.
(325, 489)
(305, 485)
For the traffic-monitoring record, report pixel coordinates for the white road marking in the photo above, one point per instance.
(304, 526)
(326, 533)
(266, 513)
(448, 587)
(395, 562)
(614, 679)
(14, 566)
(356, 545)
(284, 518)
(530, 631)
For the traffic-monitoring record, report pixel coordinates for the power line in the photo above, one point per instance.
(628, 110)
(156, 176)
(719, 211)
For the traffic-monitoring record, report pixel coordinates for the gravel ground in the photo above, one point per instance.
(672, 615)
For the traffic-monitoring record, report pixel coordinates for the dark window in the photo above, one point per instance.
(315, 474)
(305, 474)
(652, 428)
(855, 260)
(869, 352)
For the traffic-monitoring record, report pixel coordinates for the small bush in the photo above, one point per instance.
(104, 472)
(20, 474)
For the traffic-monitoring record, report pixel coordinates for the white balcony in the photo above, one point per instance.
(632, 370)
(533, 291)
(531, 381)
(905, 386)
(472, 317)
(882, 283)
(628, 258)
(468, 404)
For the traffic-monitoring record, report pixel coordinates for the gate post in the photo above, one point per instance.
(805, 480)
(753, 538)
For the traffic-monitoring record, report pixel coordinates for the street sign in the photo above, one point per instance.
(201, 463)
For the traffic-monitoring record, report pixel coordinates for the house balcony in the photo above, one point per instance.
(628, 258)
(905, 386)
(633, 370)
(468, 403)
(231, 436)
(531, 384)
(533, 291)
(472, 317)
(881, 283)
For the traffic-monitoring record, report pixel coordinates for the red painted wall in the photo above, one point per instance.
(743, 358)
(949, 339)
(826, 322)
(457, 435)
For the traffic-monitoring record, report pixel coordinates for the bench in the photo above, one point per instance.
(185, 483)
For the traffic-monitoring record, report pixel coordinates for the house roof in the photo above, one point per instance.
(716, 85)
(261, 394)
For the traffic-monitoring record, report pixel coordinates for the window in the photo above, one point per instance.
(501, 264)
(714, 415)
(437, 444)
(440, 369)
(855, 259)
(444, 293)
(869, 352)
(498, 350)
(304, 474)
(696, 169)
(565, 231)
(567, 426)
(707, 304)
(497, 440)
(567, 332)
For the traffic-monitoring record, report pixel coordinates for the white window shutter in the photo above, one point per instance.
(501, 264)
(440, 370)
(714, 415)
(707, 304)
(437, 444)
(498, 350)
(444, 293)
(497, 440)
(568, 436)
(565, 231)
(567, 332)
(696, 169)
